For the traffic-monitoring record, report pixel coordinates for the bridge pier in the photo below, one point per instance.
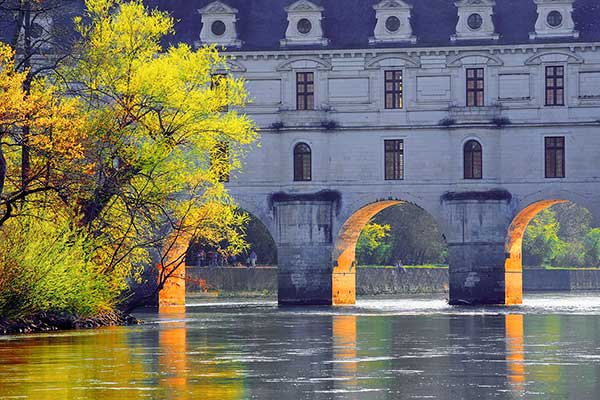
(478, 222)
(304, 230)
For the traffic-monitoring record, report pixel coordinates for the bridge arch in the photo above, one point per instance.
(344, 265)
(533, 205)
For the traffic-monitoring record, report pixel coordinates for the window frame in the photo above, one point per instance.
(476, 90)
(305, 94)
(299, 163)
(550, 152)
(215, 84)
(397, 90)
(554, 86)
(398, 164)
(469, 164)
(222, 150)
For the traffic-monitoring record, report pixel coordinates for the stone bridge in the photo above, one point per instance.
(316, 234)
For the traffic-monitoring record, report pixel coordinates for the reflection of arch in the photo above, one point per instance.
(344, 251)
(513, 266)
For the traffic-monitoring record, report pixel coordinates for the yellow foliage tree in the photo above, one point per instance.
(165, 132)
(55, 141)
(130, 150)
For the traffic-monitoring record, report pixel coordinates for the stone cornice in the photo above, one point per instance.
(531, 49)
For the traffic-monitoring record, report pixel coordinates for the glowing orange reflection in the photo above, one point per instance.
(344, 345)
(513, 266)
(515, 355)
(344, 254)
(173, 353)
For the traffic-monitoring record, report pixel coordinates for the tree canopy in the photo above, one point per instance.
(130, 145)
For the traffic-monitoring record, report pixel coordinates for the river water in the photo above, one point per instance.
(403, 348)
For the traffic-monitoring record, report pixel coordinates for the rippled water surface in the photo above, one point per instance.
(409, 348)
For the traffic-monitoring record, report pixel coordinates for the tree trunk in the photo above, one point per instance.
(25, 160)
(2, 170)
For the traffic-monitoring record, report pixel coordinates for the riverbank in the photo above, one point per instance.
(49, 322)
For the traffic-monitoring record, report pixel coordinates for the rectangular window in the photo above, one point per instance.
(394, 160)
(555, 86)
(305, 91)
(555, 156)
(393, 90)
(475, 87)
(216, 81)
(220, 162)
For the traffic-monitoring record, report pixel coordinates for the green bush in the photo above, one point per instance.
(49, 266)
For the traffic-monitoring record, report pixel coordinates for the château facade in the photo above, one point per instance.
(481, 112)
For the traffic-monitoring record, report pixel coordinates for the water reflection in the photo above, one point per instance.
(515, 355)
(243, 351)
(345, 365)
(173, 352)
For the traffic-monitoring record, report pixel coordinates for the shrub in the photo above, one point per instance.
(49, 266)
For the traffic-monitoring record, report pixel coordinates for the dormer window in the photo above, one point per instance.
(475, 20)
(393, 22)
(219, 25)
(554, 19)
(304, 25)
(218, 28)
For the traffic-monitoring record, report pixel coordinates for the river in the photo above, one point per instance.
(402, 348)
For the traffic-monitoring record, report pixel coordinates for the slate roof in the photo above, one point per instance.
(348, 24)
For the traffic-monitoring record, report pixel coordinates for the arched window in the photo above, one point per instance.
(473, 160)
(302, 162)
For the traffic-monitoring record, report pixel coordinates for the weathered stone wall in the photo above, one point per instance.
(370, 281)
(380, 281)
(231, 279)
(547, 280)
(376, 281)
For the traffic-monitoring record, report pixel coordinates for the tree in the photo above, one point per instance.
(592, 247)
(40, 44)
(154, 117)
(55, 143)
(372, 245)
(541, 243)
(414, 237)
(125, 134)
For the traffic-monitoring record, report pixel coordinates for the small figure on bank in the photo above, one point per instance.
(253, 258)
(215, 259)
(400, 266)
(248, 262)
(201, 258)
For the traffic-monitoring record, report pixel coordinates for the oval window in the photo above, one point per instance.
(392, 24)
(554, 19)
(475, 21)
(218, 28)
(304, 26)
